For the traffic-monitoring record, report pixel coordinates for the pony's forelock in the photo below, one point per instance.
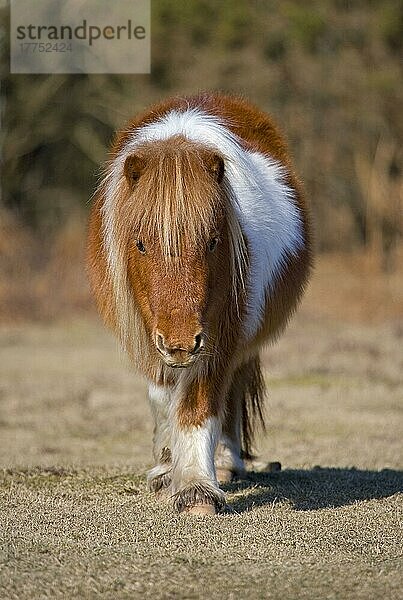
(176, 201)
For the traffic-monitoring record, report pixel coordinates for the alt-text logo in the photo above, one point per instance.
(80, 36)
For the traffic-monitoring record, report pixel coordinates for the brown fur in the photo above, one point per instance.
(171, 204)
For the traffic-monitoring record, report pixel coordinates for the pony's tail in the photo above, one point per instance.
(252, 410)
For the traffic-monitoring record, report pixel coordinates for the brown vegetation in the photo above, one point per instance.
(328, 70)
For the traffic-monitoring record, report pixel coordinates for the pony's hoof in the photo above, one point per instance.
(199, 499)
(201, 509)
(273, 467)
(224, 475)
(227, 475)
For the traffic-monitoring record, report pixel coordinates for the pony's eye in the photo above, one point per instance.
(213, 244)
(140, 247)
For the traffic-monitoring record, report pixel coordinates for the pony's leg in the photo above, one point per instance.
(197, 428)
(158, 478)
(244, 407)
(228, 458)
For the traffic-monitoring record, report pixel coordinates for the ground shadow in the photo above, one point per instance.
(313, 489)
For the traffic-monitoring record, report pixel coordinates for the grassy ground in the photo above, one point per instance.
(76, 520)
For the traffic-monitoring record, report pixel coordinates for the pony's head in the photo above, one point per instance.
(181, 240)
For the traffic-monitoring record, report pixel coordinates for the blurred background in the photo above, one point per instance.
(75, 427)
(330, 73)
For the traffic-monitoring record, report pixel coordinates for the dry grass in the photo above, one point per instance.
(353, 287)
(77, 521)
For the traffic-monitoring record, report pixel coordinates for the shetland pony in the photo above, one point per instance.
(198, 252)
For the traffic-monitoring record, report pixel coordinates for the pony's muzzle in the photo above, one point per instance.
(179, 353)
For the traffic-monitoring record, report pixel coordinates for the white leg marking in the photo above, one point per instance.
(193, 455)
(160, 401)
(228, 456)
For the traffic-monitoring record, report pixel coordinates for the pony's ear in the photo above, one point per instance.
(215, 165)
(134, 167)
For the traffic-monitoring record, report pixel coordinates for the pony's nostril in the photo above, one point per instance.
(198, 343)
(175, 349)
